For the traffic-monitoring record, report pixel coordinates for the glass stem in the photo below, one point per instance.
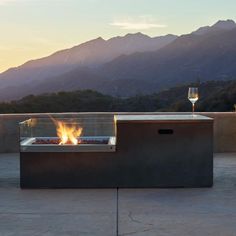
(193, 108)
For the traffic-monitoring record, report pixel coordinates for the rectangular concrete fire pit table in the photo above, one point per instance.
(141, 151)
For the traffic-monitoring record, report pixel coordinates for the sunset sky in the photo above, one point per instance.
(30, 29)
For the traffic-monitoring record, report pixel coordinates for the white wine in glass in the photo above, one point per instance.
(193, 96)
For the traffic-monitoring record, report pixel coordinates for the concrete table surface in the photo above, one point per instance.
(160, 118)
(138, 212)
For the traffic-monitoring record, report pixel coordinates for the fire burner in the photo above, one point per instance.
(52, 144)
(69, 138)
(82, 140)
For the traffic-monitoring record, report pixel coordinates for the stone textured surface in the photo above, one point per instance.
(141, 212)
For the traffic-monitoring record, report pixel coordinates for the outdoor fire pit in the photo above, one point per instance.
(69, 136)
(117, 151)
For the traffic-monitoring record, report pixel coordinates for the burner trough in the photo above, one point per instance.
(88, 144)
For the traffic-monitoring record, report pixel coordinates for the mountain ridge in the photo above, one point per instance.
(89, 54)
(219, 25)
(176, 60)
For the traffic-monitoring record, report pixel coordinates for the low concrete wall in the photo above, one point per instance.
(224, 131)
(224, 128)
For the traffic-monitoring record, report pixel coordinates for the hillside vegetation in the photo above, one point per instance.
(214, 96)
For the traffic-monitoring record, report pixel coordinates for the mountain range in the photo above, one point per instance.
(129, 65)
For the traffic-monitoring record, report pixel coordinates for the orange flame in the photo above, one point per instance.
(68, 134)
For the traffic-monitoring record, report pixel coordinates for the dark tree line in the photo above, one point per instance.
(214, 96)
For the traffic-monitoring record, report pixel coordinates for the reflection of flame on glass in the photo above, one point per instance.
(68, 134)
(31, 122)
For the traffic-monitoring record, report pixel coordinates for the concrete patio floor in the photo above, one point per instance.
(108, 212)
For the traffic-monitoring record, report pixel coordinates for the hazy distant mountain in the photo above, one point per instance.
(80, 79)
(211, 56)
(90, 54)
(191, 57)
(134, 64)
(218, 26)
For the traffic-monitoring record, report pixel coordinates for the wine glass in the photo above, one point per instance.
(193, 96)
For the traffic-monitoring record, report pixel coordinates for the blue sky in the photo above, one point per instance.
(35, 28)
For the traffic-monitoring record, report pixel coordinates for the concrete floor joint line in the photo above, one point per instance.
(117, 211)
